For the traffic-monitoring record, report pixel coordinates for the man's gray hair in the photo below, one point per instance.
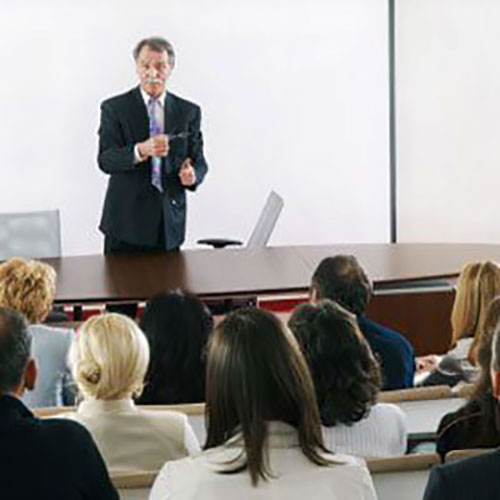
(15, 349)
(158, 44)
(495, 349)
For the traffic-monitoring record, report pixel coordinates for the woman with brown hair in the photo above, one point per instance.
(263, 429)
(346, 378)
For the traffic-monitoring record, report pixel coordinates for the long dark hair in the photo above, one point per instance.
(177, 326)
(256, 374)
(346, 374)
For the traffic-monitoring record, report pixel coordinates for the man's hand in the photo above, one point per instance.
(154, 146)
(187, 173)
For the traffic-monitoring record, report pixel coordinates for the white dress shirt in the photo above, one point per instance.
(130, 438)
(295, 477)
(159, 115)
(383, 433)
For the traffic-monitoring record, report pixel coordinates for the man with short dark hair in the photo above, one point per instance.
(476, 477)
(151, 146)
(343, 280)
(50, 459)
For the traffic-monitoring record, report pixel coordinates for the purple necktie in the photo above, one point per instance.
(155, 129)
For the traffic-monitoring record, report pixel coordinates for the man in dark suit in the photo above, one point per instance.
(151, 145)
(343, 280)
(476, 477)
(51, 459)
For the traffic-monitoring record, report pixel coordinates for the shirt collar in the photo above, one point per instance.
(146, 97)
(106, 406)
(280, 435)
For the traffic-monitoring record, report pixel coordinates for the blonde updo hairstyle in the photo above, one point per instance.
(109, 357)
(28, 287)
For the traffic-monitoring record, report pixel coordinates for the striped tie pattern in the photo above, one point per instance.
(155, 129)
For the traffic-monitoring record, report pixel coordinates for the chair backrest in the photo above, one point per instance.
(30, 234)
(472, 452)
(416, 394)
(134, 485)
(401, 477)
(267, 220)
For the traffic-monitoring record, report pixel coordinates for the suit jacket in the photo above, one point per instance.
(48, 459)
(130, 438)
(395, 353)
(466, 479)
(134, 211)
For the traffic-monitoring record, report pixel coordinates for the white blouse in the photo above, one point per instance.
(130, 438)
(382, 433)
(294, 476)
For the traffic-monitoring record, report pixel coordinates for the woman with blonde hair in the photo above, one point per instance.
(477, 423)
(109, 358)
(29, 287)
(263, 429)
(477, 285)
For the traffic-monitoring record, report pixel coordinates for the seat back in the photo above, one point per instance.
(30, 234)
(401, 477)
(134, 485)
(267, 220)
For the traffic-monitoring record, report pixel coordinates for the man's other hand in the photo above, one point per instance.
(187, 173)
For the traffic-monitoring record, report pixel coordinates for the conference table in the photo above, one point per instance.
(250, 272)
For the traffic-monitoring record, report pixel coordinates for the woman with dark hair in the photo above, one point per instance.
(347, 381)
(177, 326)
(263, 430)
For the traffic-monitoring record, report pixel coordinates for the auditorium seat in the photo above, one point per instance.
(134, 485)
(401, 477)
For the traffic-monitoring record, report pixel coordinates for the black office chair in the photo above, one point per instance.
(262, 230)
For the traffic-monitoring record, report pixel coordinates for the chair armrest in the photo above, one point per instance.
(218, 242)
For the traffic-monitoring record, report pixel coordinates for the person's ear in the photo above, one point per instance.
(30, 375)
(313, 295)
(495, 383)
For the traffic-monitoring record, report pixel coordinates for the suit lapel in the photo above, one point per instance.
(170, 114)
(140, 114)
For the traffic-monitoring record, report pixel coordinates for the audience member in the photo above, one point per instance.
(109, 358)
(478, 284)
(264, 436)
(347, 381)
(29, 288)
(51, 459)
(177, 326)
(473, 477)
(477, 423)
(342, 279)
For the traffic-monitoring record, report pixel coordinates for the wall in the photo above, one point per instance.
(448, 120)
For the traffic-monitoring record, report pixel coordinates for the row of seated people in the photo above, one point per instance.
(178, 325)
(264, 433)
(307, 323)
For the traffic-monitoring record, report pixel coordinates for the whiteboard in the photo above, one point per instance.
(294, 97)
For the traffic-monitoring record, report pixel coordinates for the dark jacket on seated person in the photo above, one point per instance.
(474, 425)
(466, 479)
(394, 352)
(51, 459)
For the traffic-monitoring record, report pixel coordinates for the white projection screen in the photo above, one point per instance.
(294, 97)
(448, 120)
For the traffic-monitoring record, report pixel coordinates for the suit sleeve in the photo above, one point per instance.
(196, 148)
(114, 155)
